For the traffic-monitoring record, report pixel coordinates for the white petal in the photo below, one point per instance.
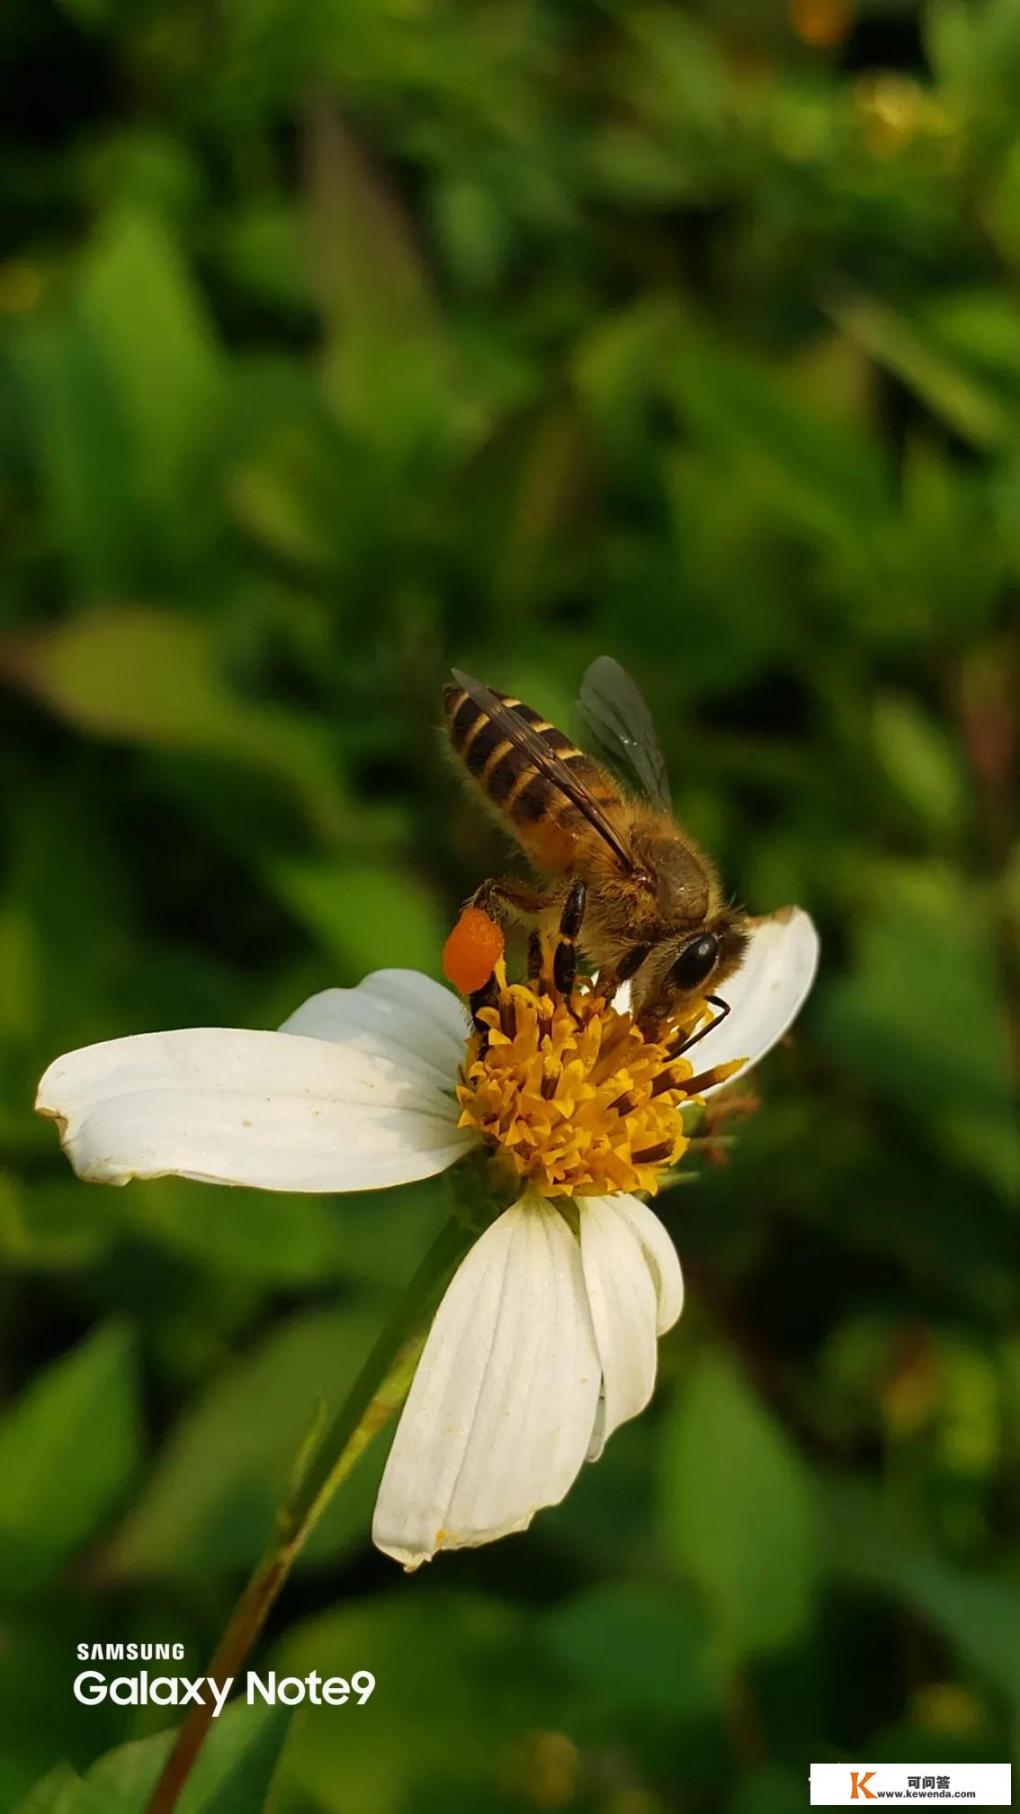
(767, 993)
(660, 1255)
(272, 1110)
(420, 1025)
(438, 1015)
(498, 1419)
(622, 1298)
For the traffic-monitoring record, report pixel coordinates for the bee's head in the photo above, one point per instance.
(691, 965)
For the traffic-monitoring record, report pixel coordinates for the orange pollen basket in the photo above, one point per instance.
(472, 951)
(571, 1096)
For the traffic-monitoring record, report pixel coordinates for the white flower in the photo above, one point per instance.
(546, 1338)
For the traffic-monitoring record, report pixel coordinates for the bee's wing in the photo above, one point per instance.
(620, 725)
(518, 732)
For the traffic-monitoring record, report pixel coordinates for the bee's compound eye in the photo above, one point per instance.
(696, 962)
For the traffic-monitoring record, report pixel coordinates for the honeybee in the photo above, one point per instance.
(626, 882)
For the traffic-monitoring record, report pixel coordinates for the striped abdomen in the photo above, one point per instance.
(545, 821)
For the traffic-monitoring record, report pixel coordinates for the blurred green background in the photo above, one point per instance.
(343, 340)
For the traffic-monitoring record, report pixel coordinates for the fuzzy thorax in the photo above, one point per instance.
(570, 1095)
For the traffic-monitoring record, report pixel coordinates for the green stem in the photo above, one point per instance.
(376, 1393)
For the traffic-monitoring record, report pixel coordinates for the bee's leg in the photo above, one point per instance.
(536, 958)
(485, 997)
(571, 920)
(504, 898)
(611, 977)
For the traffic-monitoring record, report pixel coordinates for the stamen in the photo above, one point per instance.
(705, 1080)
(570, 1094)
(651, 1155)
(665, 1081)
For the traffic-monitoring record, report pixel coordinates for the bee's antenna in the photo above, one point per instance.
(723, 1007)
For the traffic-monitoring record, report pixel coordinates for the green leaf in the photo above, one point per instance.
(43, 1226)
(435, 1655)
(268, 1237)
(233, 1773)
(951, 40)
(68, 1449)
(158, 348)
(958, 397)
(149, 677)
(616, 365)
(920, 761)
(385, 366)
(639, 1647)
(771, 1789)
(820, 474)
(237, 1772)
(80, 442)
(261, 248)
(124, 397)
(61, 1791)
(921, 1014)
(371, 274)
(95, 14)
(979, 326)
(210, 1500)
(945, 558)
(978, 1613)
(738, 1512)
(358, 910)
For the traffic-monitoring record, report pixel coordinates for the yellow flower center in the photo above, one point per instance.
(571, 1095)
